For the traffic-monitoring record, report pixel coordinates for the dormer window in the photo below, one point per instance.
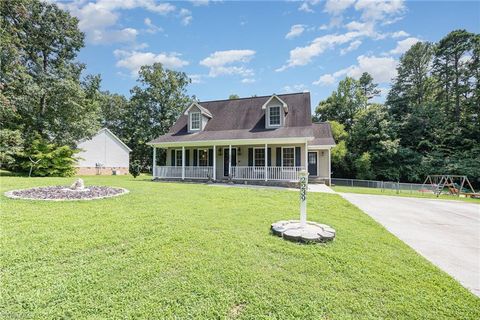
(195, 120)
(275, 112)
(274, 119)
(197, 117)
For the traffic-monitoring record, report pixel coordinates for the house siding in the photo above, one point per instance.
(104, 149)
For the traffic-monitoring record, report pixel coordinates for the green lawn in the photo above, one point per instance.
(169, 250)
(402, 193)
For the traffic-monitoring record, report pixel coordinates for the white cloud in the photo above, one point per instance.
(352, 46)
(399, 34)
(127, 35)
(248, 80)
(373, 10)
(295, 31)
(305, 7)
(404, 45)
(133, 60)
(301, 56)
(198, 3)
(295, 88)
(326, 79)
(336, 7)
(152, 28)
(196, 78)
(186, 16)
(98, 19)
(220, 62)
(382, 69)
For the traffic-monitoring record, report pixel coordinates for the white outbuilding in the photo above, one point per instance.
(104, 153)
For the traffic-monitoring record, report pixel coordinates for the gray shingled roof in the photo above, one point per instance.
(323, 134)
(245, 119)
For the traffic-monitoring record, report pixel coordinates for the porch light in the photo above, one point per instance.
(220, 152)
(239, 151)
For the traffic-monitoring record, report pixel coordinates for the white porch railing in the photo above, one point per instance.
(168, 172)
(198, 172)
(273, 173)
(190, 172)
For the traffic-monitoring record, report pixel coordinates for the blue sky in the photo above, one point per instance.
(260, 48)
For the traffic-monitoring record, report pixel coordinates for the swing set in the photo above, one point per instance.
(456, 185)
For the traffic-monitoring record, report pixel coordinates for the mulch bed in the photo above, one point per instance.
(59, 193)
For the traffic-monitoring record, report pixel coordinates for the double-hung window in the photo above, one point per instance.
(195, 121)
(178, 158)
(202, 157)
(274, 116)
(288, 157)
(259, 157)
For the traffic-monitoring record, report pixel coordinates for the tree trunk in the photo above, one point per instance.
(457, 91)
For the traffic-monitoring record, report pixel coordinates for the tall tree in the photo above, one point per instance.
(450, 68)
(42, 81)
(368, 87)
(374, 134)
(413, 86)
(343, 104)
(155, 105)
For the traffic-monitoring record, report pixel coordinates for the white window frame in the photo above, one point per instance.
(294, 156)
(264, 158)
(198, 157)
(177, 157)
(199, 121)
(279, 116)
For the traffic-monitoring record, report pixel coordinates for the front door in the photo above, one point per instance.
(312, 163)
(225, 160)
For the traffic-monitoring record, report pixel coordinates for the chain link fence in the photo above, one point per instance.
(399, 187)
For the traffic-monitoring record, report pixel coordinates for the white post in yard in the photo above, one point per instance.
(306, 156)
(329, 167)
(154, 162)
(214, 163)
(183, 163)
(266, 159)
(303, 197)
(229, 160)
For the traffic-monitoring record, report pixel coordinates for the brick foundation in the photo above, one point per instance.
(107, 171)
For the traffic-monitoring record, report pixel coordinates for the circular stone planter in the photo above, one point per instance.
(311, 232)
(64, 193)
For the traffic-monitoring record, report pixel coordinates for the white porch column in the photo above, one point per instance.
(183, 163)
(154, 162)
(266, 161)
(229, 159)
(214, 162)
(329, 167)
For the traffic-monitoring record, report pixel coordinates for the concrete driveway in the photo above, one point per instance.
(445, 232)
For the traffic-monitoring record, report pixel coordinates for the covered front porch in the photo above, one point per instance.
(243, 161)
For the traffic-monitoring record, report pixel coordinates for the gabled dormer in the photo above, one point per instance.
(275, 111)
(198, 117)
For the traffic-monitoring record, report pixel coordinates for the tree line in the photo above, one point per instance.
(48, 105)
(429, 123)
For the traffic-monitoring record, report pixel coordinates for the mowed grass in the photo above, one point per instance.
(402, 193)
(191, 251)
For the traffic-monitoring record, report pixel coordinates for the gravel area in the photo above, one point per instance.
(60, 193)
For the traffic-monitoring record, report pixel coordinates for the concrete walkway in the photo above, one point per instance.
(445, 232)
(312, 187)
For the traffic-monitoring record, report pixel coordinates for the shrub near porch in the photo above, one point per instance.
(173, 250)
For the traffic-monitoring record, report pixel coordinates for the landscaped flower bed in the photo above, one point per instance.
(60, 193)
